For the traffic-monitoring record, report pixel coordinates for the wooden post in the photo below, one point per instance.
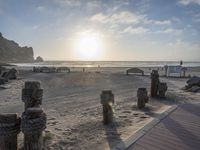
(33, 119)
(9, 129)
(107, 101)
(33, 124)
(142, 95)
(162, 88)
(154, 83)
(32, 94)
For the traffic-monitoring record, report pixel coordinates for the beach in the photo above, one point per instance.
(74, 112)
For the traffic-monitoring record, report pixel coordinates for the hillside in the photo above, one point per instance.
(10, 51)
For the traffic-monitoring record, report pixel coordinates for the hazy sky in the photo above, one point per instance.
(124, 29)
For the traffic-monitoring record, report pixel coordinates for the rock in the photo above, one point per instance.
(194, 89)
(193, 81)
(39, 59)
(5, 86)
(11, 74)
(1, 70)
(2, 81)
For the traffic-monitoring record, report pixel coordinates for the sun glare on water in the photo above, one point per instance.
(88, 46)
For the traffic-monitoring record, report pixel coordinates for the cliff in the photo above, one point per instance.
(10, 51)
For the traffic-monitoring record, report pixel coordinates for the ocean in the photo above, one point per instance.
(109, 63)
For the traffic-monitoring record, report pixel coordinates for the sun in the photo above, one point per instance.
(88, 46)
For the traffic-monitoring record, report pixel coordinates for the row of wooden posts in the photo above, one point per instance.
(33, 120)
(158, 89)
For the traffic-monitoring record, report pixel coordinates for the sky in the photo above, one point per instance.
(131, 30)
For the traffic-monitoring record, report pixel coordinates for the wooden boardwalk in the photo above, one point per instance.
(178, 131)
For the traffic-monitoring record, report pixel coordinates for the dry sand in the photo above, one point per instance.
(72, 103)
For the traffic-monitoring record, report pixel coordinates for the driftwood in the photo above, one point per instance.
(107, 101)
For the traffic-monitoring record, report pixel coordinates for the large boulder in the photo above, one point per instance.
(2, 69)
(193, 81)
(2, 81)
(11, 74)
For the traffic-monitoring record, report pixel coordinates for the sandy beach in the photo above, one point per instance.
(72, 103)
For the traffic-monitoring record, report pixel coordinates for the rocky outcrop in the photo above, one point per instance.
(39, 59)
(10, 51)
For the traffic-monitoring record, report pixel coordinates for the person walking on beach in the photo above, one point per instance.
(166, 69)
(181, 62)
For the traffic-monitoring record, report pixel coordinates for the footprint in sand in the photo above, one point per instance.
(122, 116)
(58, 129)
(53, 123)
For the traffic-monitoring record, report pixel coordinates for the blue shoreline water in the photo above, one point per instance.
(109, 63)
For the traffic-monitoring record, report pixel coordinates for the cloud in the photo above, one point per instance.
(40, 8)
(35, 27)
(123, 17)
(164, 22)
(157, 22)
(67, 2)
(187, 2)
(184, 49)
(170, 31)
(138, 30)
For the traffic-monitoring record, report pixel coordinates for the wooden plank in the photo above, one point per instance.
(179, 131)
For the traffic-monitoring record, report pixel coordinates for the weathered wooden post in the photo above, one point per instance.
(9, 129)
(162, 88)
(107, 101)
(143, 98)
(32, 94)
(184, 69)
(33, 118)
(154, 83)
(32, 125)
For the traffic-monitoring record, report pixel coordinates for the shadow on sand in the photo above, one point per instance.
(112, 135)
(183, 134)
